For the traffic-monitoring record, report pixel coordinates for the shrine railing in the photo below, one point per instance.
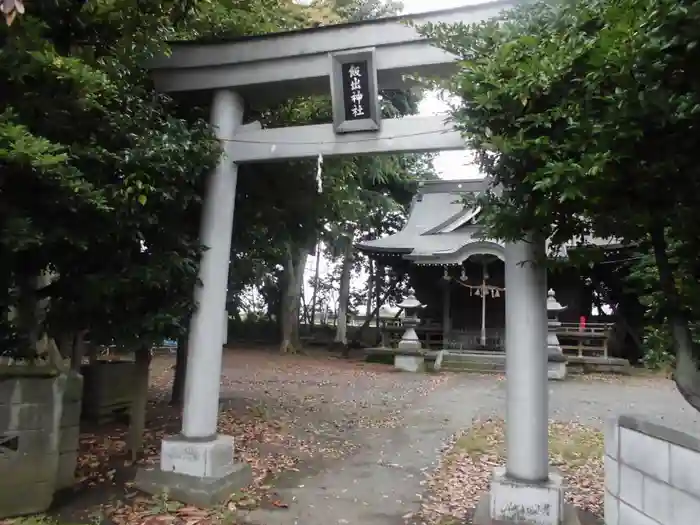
(470, 340)
(591, 340)
(431, 334)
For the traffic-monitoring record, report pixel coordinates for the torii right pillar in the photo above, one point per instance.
(526, 491)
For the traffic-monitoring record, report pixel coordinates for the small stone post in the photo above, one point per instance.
(410, 356)
(556, 360)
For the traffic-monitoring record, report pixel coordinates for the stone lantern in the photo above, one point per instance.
(410, 355)
(410, 305)
(556, 360)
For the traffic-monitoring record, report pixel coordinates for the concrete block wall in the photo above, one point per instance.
(30, 416)
(39, 429)
(70, 431)
(652, 474)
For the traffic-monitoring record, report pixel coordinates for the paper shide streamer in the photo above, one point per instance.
(319, 174)
(10, 9)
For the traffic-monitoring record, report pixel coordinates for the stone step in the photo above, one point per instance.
(472, 367)
(498, 359)
(474, 361)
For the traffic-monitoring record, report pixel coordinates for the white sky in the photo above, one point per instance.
(449, 164)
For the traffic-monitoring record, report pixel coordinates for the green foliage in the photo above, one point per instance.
(584, 115)
(659, 353)
(567, 106)
(93, 161)
(102, 176)
(644, 279)
(658, 349)
(357, 10)
(253, 329)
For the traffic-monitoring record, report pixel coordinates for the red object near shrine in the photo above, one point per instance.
(582, 323)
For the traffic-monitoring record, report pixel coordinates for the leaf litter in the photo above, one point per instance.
(281, 410)
(468, 459)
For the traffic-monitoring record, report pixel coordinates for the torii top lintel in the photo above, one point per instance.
(263, 68)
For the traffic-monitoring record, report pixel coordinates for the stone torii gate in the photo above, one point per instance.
(353, 61)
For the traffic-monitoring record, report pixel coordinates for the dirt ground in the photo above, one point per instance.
(288, 414)
(340, 441)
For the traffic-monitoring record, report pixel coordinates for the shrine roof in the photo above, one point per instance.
(442, 228)
(440, 223)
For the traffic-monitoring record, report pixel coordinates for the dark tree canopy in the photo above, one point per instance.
(103, 177)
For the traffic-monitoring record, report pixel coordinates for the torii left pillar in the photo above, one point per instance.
(197, 466)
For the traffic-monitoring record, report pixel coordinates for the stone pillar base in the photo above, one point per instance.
(511, 502)
(556, 371)
(200, 473)
(409, 362)
(556, 365)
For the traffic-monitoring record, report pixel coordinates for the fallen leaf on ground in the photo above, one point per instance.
(281, 410)
(468, 460)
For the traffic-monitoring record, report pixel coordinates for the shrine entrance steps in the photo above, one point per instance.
(494, 361)
(474, 361)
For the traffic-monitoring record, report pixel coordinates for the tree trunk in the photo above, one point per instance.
(375, 313)
(687, 373)
(177, 395)
(615, 307)
(341, 331)
(40, 307)
(314, 296)
(287, 306)
(303, 307)
(137, 416)
(50, 348)
(66, 344)
(300, 270)
(76, 358)
(294, 281)
(27, 316)
(370, 281)
(378, 282)
(92, 353)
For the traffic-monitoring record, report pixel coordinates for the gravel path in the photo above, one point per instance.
(340, 441)
(592, 400)
(381, 483)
